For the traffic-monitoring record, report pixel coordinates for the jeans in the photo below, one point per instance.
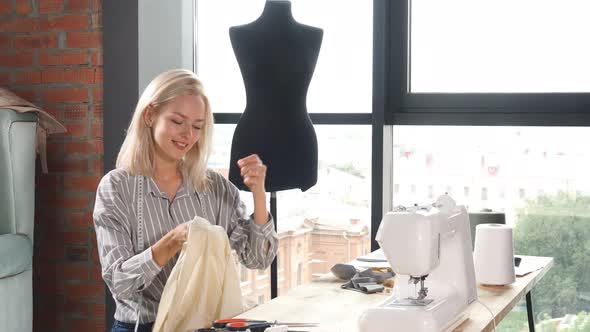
(130, 327)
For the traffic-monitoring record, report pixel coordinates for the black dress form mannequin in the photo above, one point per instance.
(277, 57)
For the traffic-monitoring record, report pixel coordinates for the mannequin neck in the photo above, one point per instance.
(277, 11)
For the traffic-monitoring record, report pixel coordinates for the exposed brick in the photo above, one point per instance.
(70, 166)
(97, 310)
(39, 268)
(95, 257)
(81, 308)
(97, 94)
(5, 81)
(5, 7)
(24, 7)
(54, 110)
(46, 181)
(81, 183)
(78, 5)
(96, 273)
(49, 286)
(77, 253)
(78, 201)
(96, 58)
(96, 21)
(51, 55)
(5, 41)
(71, 75)
(84, 291)
(97, 166)
(35, 41)
(76, 129)
(28, 77)
(97, 131)
(76, 112)
(84, 148)
(50, 6)
(16, 59)
(95, 5)
(84, 39)
(65, 22)
(97, 113)
(74, 219)
(54, 149)
(74, 271)
(59, 58)
(45, 320)
(65, 95)
(52, 252)
(19, 24)
(27, 94)
(90, 325)
(98, 76)
(74, 238)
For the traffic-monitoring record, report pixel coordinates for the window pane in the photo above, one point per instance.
(344, 63)
(255, 284)
(537, 176)
(500, 46)
(327, 224)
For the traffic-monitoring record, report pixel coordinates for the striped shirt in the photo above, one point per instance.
(131, 274)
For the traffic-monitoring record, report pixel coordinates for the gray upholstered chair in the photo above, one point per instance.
(17, 208)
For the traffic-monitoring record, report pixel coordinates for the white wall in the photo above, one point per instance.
(166, 37)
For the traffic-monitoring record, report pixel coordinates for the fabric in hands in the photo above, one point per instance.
(204, 285)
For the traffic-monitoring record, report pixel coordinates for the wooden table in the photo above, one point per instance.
(337, 310)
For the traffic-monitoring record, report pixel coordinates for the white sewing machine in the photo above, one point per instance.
(430, 250)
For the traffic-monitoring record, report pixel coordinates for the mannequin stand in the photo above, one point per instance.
(273, 266)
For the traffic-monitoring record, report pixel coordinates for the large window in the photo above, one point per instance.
(327, 224)
(344, 65)
(500, 46)
(330, 222)
(460, 62)
(466, 82)
(537, 176)
(485, 72)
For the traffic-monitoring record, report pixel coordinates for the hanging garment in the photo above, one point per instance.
(47, 123)
(204, 284)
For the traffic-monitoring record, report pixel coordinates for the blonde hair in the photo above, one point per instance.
(137, 152)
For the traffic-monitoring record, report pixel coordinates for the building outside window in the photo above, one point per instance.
(553, 222)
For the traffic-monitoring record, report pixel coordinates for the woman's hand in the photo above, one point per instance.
(253, 172)
(170, 244)
(178, 236)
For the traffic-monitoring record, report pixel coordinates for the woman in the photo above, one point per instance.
(161, 181)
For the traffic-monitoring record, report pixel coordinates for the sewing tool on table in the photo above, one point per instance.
(253, 325)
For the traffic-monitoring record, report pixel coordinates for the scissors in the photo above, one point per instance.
(255, 325)
(221, 323)
(248, 326)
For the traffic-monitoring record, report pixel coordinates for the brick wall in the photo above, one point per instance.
(51, 54)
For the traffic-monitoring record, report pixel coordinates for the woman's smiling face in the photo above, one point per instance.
(176, 127)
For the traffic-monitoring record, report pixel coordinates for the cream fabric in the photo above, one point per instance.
(204, 284)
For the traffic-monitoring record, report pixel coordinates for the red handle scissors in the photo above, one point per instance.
(250, 326)
(221, 323)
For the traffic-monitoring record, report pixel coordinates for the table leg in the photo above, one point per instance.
(529, 311)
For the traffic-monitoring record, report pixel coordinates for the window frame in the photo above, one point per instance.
(497, 109)
(393, 104)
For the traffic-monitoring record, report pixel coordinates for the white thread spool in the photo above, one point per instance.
(493, 255)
